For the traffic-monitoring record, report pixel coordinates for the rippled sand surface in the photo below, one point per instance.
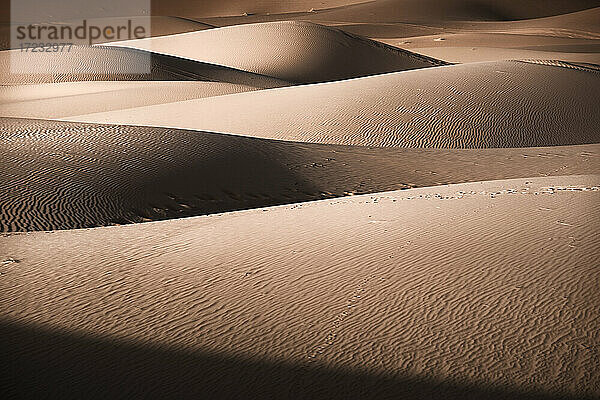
(335, 199)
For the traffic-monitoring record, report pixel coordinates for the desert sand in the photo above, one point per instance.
(103, 63)
(293, 51)
(121, 174)
(496, 104)
(411, 293)
(318, 199)
(39, 100)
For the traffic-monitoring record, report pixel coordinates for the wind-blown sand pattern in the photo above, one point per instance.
(497, 104)
(318, 199)
(107, 174)
(408, 287)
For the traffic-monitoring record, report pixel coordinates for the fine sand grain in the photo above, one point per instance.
(305, 200)
(59, 175)
(479, 105)
(480, 290)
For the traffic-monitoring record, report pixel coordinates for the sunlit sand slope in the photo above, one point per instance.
(299, 52)
(497, 104)
(56, 100)
(482, 290)
(459, 31)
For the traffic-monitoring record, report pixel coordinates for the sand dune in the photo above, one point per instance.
(420, 11)
(102, 63)
(62, 175)
(463, 54)
(56, 100)
(293, 51)
(462, 10)
(304, 200)
(576, 24)
(568, 37)
(482, 290)
(498, 104)
(209, 8)
(466, 40)
(171, 25)
(506, 40)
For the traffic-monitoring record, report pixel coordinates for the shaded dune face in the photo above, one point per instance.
(60, 175)
(380, 10)
(100, 63)
(479, 105)
(461, 10)
(298, 52)
(208, 8)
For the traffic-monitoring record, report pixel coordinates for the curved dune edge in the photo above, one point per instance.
(487, 285)
(431, 10)
(215, 8)
(471, 54)
(107, 63)
(568, 37)
(64, 99)
(419, 12)
(479, 105)
(60, 175)
(577, 25)
(468, 40)
(293, 51)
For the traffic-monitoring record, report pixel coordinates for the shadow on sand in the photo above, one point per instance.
(40, 363)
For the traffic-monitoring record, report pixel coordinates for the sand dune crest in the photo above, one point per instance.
(293, 51)
(479, 105)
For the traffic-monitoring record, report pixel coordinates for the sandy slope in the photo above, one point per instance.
(419, 27)
(59, 175)
(482, 290)
(426, 12)
(461, 54)
(462, 10)
(498, 104)
(207, 8)
(56, 100)
(580, 24)
(299, 52)
(403, 281)
(569, 37)
(103, 63)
